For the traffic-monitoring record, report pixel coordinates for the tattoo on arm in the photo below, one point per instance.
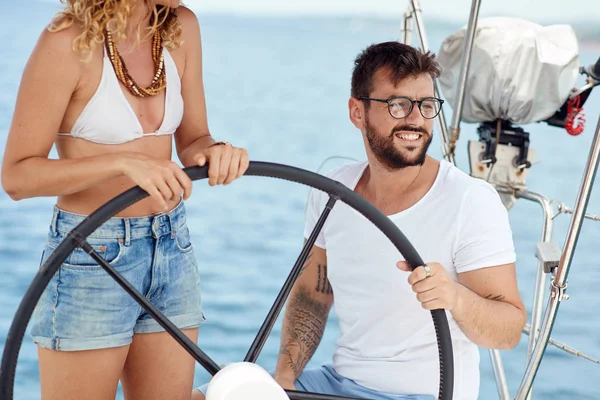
(495, 298)
(305, 324)
(323, 285)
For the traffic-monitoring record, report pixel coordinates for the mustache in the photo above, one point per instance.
(410, 128)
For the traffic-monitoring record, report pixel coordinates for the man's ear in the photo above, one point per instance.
(356, 111)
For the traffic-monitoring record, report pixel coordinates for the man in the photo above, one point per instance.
(387, 347)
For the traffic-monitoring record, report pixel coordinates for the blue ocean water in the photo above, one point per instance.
(279, 87)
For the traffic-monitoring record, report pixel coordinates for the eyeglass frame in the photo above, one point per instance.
(412, 104)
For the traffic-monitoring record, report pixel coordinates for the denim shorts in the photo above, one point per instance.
(83, 308)
(325, 380)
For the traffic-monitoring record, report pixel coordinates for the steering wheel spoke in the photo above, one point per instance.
(183, 340)
(269, 321)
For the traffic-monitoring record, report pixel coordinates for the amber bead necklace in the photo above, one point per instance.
(159, 82)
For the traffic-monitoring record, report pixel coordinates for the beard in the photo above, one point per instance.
(385, 151)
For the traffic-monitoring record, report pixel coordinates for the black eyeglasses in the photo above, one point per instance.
(401, 107)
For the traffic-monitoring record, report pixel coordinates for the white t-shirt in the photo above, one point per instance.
(387, 341)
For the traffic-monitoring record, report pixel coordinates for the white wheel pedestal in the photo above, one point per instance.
(244, 381)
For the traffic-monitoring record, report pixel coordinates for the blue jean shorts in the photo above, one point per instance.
(326, 380)
(83, 308)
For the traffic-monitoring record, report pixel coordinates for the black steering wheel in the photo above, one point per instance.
(336, 190)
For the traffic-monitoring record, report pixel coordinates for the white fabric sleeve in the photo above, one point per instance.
(484, 237)
(316, 204)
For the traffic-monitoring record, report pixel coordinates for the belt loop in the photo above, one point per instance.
(172, 226)
(154, 227)
(54, 222)
(127, 232)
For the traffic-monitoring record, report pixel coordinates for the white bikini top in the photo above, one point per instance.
(108, 118)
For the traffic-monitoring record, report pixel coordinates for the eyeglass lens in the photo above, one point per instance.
(400, 107)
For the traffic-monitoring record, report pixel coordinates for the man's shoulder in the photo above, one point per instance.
(347, 173)
(461, 183)
(473, 198)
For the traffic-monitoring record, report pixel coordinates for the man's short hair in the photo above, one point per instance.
(400, 59)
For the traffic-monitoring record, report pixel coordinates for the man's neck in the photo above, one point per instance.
(396, 190)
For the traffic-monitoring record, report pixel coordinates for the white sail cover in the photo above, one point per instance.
(520, 71)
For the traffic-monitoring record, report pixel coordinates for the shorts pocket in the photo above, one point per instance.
(183, 240)
(109, 249)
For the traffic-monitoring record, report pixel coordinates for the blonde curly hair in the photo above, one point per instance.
(94, 16)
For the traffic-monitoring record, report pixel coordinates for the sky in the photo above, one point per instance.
(456, 10)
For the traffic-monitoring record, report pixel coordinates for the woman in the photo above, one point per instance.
(110, 83)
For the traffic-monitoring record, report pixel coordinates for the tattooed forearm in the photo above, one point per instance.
(303, 329)
(290, 350)
(323, 285)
